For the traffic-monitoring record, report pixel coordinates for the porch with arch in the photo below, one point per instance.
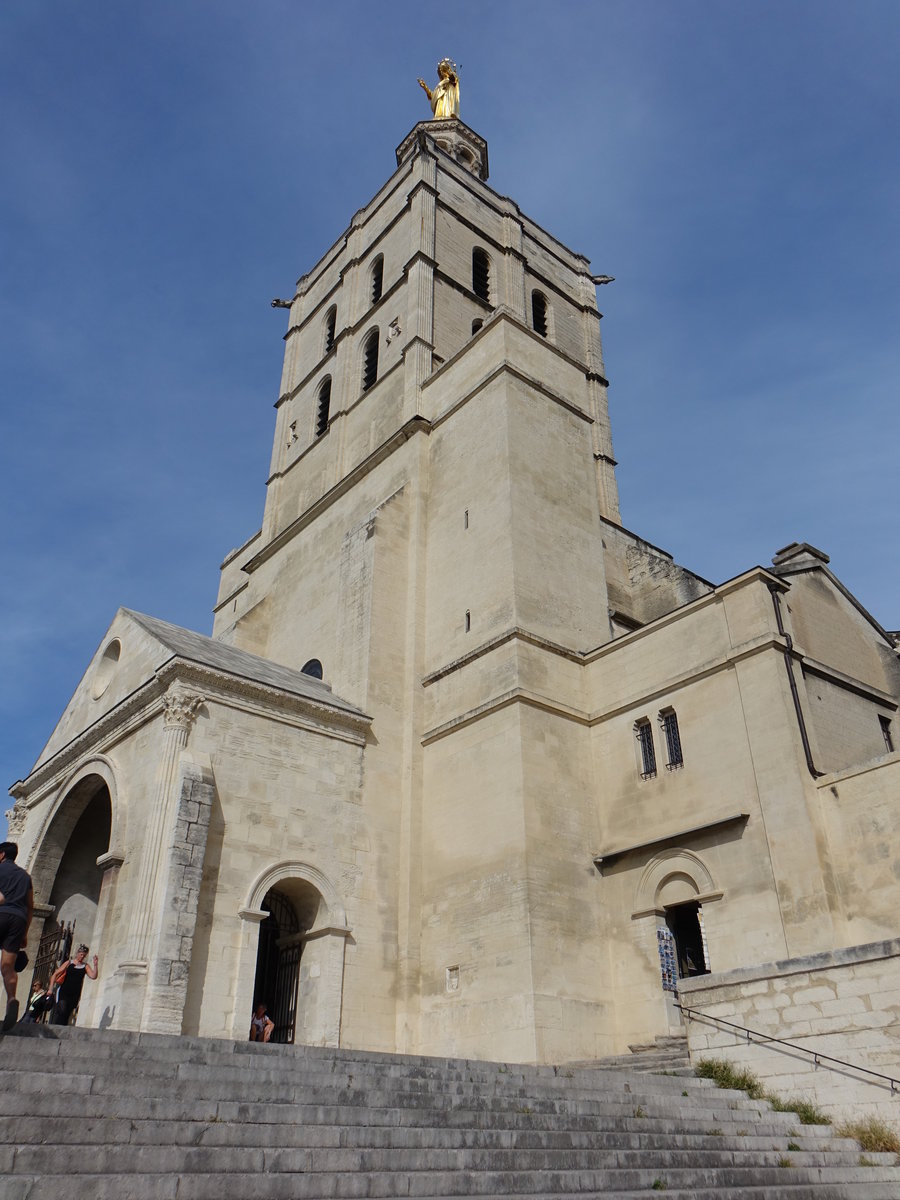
(300, 954)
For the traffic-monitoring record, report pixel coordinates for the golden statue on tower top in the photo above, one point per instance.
(445, 96)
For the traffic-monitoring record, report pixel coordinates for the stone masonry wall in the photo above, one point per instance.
(843, 1003)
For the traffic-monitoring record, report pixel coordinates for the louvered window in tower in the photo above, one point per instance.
(377, 278)
(323, 407)
(330, 323)
(481, 273)
(539, 313)
(370, 360)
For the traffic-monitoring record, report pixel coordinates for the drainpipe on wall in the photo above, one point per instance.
(789, 667)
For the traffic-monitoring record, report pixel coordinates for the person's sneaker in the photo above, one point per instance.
(12, 1015)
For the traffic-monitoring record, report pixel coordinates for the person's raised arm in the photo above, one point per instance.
(91, 971)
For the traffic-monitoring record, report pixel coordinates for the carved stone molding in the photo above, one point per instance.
(181, 708)
(16, 817)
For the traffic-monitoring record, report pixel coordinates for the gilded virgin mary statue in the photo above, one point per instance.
(445, 95)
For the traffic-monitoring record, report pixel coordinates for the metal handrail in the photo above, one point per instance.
(818, 1058)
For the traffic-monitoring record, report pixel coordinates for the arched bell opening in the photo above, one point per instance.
(292, 909)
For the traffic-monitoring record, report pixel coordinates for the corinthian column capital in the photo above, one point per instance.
(181, 708)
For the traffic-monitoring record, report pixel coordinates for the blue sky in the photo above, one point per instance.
(170, 167)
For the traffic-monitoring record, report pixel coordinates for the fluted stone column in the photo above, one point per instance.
(180, 710)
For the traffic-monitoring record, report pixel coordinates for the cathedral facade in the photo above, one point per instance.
(466, 767)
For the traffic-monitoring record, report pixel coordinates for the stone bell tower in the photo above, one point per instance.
(440, 478)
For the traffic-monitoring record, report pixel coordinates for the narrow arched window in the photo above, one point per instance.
(370, 360)
(377, 278)
(481, 273)
(330, 323)
(323, 406)
(476, 325)
(668, 722)
(644, 734)
(539, 313)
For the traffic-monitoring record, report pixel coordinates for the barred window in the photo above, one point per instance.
(481, 273)
(323, 407)
(669, 723)
(377, 278)
(539, 313)
(644, 734)
(330, 323)
(370, 360)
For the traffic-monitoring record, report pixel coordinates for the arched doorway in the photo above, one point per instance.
(76, 889)
(685, 923)
(66, 875)
(292, 909)
(295, 934)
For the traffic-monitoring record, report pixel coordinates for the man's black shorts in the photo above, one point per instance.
(12, 931)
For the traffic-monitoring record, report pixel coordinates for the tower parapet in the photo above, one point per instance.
(452, 136)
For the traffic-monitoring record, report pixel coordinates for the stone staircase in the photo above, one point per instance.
(93, 1115)
(665, 1056)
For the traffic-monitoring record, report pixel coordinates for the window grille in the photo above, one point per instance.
(674, 756)
(885, 724)
(644, 735)
(539, 313)
(481, 273)
(370, 360)
(330, 323)
(324, 407)
(377, 279)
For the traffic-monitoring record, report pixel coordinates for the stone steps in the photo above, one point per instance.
(689, 1185)
(114, 1116)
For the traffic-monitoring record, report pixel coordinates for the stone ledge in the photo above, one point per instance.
(847, 956)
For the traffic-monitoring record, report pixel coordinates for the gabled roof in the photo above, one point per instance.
(196, 647)
(799, 558)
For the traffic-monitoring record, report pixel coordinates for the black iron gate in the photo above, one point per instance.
(54, 947)
(278, 965)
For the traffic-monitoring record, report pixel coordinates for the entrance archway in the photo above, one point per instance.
(75, 894)
(292, 909)
(68, 882)
(685, 923)
(296, 929)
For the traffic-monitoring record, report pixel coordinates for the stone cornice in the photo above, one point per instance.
(847, 682)
(506, 314)
(606, 857)
(496, 703)
(675, 683)
(514, 633)
(219, 687)
(506, 368)
(414, 425)
(754, 575)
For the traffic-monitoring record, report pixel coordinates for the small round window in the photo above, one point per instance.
(106, 668)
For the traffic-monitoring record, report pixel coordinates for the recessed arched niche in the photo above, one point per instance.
(106, 668)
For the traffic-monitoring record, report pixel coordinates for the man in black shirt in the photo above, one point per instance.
(16, 910)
